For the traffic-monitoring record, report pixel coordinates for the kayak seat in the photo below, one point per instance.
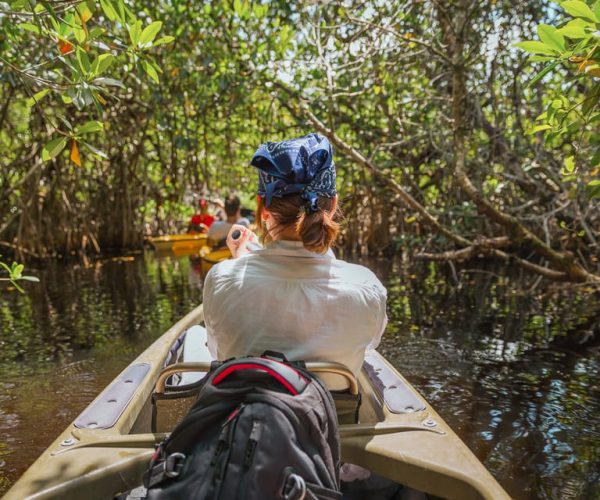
(194, 349)
(178, 383)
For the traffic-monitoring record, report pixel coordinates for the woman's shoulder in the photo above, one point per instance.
(228, 269)
(357, 274)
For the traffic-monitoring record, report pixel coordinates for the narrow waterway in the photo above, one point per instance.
(501, 360)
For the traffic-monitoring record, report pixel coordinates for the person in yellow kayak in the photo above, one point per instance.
(219, 229)
(293, 296)
(200, 222)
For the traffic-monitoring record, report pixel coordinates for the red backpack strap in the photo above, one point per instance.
(290, 378)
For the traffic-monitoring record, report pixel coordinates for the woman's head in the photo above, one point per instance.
(297, 190)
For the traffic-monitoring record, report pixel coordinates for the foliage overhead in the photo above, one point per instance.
(449, 143)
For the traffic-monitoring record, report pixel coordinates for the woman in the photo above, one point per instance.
(293, 295)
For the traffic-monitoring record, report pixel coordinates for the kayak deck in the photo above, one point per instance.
(400, 437)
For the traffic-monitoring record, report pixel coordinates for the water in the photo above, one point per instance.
(498, 358)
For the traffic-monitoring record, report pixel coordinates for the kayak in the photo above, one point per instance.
(106, 449)
(178, 243)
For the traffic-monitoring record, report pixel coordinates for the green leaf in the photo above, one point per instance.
(551, 38)
(53, 148)
(285, 35)
(102, 63)
(16, 271)
(540, 128)
(80, 35)
(593, 189)
(83, 60)
(108, 9)
(542, 73)
(574, 33)
(150, 32)
(30, 27)
(164, 40)
(30, 278)
(150, 71)
(96, 151)
(135, 31)
(576, 29)
(577, 8)
(570, 164)
(597, 10)
(110, 82)
(95, 32)
(66, 122)
(37, 97)
(89, 127)
(238, 7)
(535, 47)
(121, 11)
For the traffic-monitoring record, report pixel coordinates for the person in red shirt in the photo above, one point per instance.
(200, 222)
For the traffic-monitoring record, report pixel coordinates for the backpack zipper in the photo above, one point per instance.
(224, 445)
(251, 444)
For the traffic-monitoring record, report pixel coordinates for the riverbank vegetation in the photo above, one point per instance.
(451, 142)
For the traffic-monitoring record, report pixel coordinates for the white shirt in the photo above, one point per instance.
(310, 306)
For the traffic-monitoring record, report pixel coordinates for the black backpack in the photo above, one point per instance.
(262, 428)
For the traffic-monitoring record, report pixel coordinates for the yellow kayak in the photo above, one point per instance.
(178, 243)
(211, 256)
(106, 449)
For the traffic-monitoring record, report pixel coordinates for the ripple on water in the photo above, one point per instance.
(533, 416)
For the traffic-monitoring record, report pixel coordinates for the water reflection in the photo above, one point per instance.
(501, 360)
(69, 336)
(494, 357)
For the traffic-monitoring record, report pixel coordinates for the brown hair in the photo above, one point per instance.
(317, 231)
(232, 205)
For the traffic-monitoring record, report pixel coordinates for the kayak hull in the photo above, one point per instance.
(415, 448)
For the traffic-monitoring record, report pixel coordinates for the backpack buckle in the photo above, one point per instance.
(174, 464)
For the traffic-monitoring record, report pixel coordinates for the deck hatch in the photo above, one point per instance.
(104, 412)
(398, 397)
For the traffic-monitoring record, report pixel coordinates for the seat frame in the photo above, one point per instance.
(316, 367)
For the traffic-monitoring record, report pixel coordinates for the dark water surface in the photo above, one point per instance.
(501, 362)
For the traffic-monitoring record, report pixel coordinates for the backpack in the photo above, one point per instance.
(261, 428)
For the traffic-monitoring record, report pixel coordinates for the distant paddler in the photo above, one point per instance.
(201, 221)
(218, 230)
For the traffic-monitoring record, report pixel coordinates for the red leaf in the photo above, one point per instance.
(65, 47)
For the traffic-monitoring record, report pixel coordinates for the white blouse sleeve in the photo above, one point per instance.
(381, 293)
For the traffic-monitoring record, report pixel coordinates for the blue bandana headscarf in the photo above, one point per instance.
(299, 166)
